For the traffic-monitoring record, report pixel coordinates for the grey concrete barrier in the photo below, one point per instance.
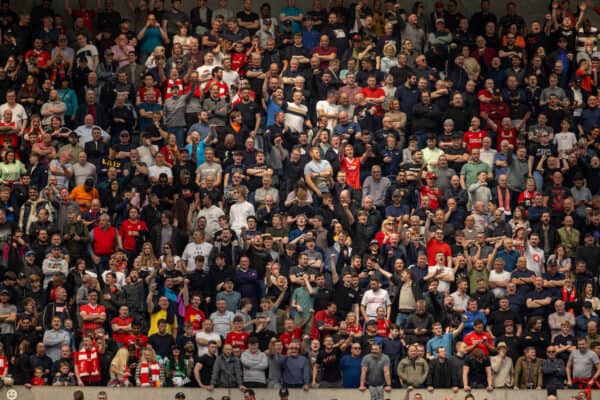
(66, 393)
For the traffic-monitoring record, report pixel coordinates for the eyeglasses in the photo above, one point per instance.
(551, 351)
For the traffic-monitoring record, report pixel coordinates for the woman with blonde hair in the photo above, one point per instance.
(149, 372)
(389, 58)
(119, 369)
(384, 235)
(147, 257)
(353, 324)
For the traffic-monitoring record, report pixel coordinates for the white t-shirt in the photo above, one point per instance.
(295, 116)
(19, 115)
(329, 109)
(202, 350)
(535, 259)
(238, 213)
(230, 78)
(194, 249)
(565, 141)
(499, 277)
(373, 300)
(89, 51)
(443, 286)
(155, 171)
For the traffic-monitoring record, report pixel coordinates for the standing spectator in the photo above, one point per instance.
(528, 371)
(583, 366)
(375, 373)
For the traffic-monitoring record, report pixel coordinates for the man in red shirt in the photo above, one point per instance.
(473, 138)
(435, 243)
(121, 326)
(238, 336)
(92, 314)
(324, 322)
(131, 230)
(374, 94)
(480, 339)
(290, 332)
(325, 52)
(193, 314)
(38, 51)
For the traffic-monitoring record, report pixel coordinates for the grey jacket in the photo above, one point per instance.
(227, 372)
(516, 172)
(254, 366)
(218, 111)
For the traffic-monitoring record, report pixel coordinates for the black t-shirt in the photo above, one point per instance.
(568, 340)
(477, 375)
(538, 150)
(187, 191)
(330, 365)
(497, 319)
(455, 151)
(248, 17)
(162, 344)
(207, 363)
(249, 111)
(345, 298)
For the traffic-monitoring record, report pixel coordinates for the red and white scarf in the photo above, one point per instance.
(149, 374)
(504, 199)
(88, 364)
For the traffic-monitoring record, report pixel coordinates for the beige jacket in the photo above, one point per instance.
(502, 372)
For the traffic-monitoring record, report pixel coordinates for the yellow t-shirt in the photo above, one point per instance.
(155, 317)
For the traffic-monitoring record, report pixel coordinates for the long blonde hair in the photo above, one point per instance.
(148, 260)
(120, 361)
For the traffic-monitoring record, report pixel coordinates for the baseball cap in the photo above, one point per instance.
(180, 395)
(374, 242)
(3, 291)
(431, 175)
(29, 253)
(356, 37)
(501, 344)
(440, 21)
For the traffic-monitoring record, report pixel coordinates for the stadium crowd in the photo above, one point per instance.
(364, 196)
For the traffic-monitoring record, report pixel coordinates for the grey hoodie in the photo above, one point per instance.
(516, 172)
(254, 366)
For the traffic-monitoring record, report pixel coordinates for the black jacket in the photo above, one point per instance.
(440, 374)
(456, 364)
(426, 119)
(416, 291)
(94, 152)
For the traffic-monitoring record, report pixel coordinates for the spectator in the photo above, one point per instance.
(375, 373)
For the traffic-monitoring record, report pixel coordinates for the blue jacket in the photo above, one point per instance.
(296, 371)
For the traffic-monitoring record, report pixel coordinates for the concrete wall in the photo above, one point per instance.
(53, 393)
(530, 10)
